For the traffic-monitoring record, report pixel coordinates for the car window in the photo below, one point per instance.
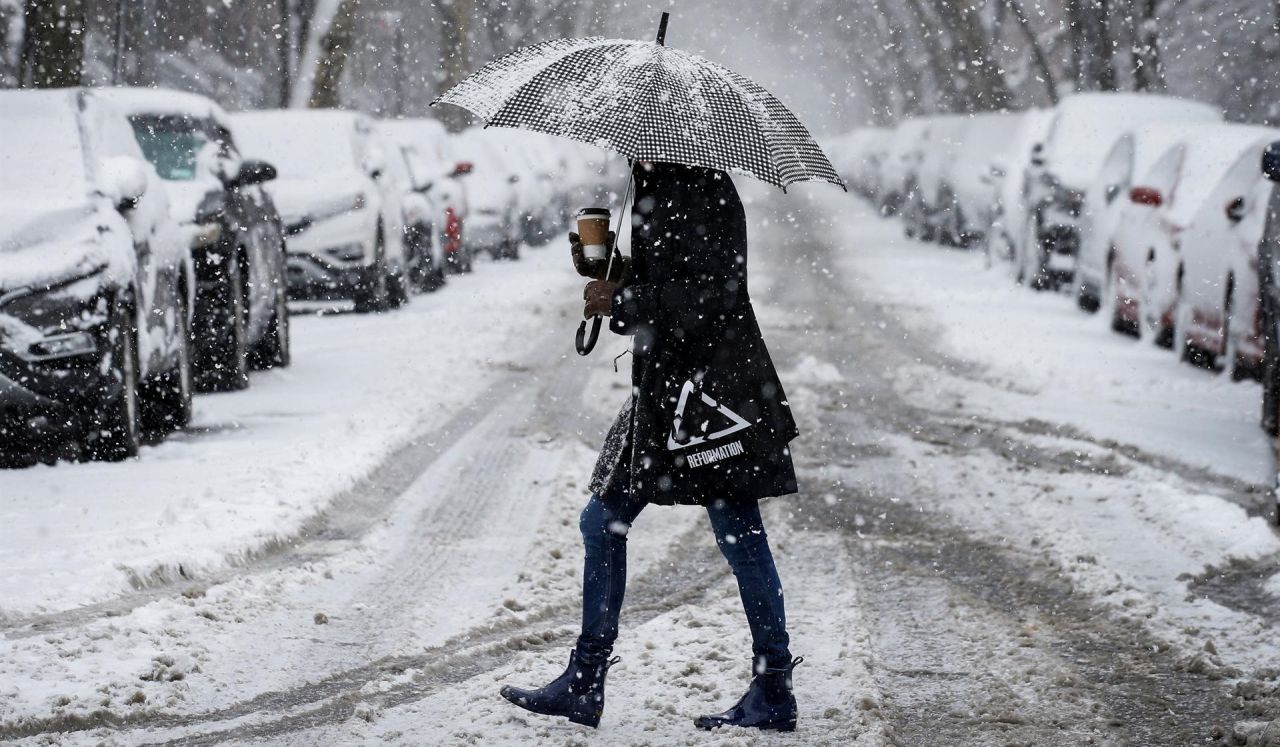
(174, 144)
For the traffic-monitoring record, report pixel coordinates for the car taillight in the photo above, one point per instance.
(452, 230)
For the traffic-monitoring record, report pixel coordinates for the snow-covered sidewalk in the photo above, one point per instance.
(256, 466)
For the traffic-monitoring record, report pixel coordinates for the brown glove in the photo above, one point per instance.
(594, 268)
(599, 298)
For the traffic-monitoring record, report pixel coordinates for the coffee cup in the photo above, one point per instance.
(593, 230)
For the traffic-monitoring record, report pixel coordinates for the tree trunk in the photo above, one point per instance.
(1038, 56)
(1148, 73)
(52, 43)
(455, 34)
(334, 50)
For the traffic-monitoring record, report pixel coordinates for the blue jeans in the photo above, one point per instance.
(742, 540)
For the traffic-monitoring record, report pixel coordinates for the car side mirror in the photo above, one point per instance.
(1271, 162)
(1149, 196)
(1235, 210)
(124, 181)
(1111, 193)
(375, 163)
(513, 178)
(462, 168)
(253, 172)
(1037, 155)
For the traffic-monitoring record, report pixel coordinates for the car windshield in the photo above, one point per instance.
(41, 156)
(298, 146)
(172, 144)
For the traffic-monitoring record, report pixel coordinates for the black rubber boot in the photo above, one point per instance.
(577, 695)
(769, 704)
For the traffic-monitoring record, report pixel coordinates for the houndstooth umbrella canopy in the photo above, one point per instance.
(648, 102)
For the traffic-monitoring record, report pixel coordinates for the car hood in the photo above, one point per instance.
(316, 197)
(43, 245)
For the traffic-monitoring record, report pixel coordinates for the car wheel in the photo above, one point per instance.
(166, 400)
(398, 290)
(272, 351)
(1033, 270)
(223, 332)
(115, 433)
(373, 292)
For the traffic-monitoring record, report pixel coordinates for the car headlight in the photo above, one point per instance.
(346, 252)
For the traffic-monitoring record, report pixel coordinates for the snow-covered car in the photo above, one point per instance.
(857, 156)
(1146, 269)
(424, 248)
(1133, 153)
(96, 282)
(437, 175)
(926, 209)
(494, 221)
(241, 316)
(1008, 176)
(1218, 319)
(902, 159)
(1082, 132)
(965, 203)
(542, 204)
(344, 224)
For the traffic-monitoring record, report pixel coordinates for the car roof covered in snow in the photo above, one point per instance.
(1211, 152)
(304, 142)
(164, 102)
(1086, 125)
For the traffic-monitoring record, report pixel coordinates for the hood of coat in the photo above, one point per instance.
(676, 209)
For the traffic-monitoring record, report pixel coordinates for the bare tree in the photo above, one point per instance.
(1148, 73)
(52, 43)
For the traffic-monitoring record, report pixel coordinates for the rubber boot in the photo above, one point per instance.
(577, 695)
(768, 705)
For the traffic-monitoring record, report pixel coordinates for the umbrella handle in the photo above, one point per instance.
(582, 342)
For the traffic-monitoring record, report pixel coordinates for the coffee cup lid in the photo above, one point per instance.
(587, 212)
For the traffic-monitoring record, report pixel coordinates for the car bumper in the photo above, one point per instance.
(485, 232)
(49, 399)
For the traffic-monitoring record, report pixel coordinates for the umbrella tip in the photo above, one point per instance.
(662, 29)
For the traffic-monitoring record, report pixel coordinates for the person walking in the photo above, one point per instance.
(707, 424)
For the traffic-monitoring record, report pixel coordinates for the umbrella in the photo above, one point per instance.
(648, 102)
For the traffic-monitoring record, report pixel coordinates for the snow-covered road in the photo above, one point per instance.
(1014, 527)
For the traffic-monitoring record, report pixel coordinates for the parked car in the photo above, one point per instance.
(344, 222)
(898, 174)
(425, 253)
(1147, 267)
(1082, 132)
(965, 201)
(241, 317)
(1008, 176)
(96, 283)
(926, 209)
(1269, 292)
(859, 155)
(437, 175)
(495, 220)
(1218, 317)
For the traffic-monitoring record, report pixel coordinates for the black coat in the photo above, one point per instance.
(707, 419)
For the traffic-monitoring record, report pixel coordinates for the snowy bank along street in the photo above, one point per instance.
(1003, 535)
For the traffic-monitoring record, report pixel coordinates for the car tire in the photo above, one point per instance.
(273, 350)
(398, 291)
(373, 293)
(1033, 270)
(222, 323)
(115, 431)
(166, 399)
